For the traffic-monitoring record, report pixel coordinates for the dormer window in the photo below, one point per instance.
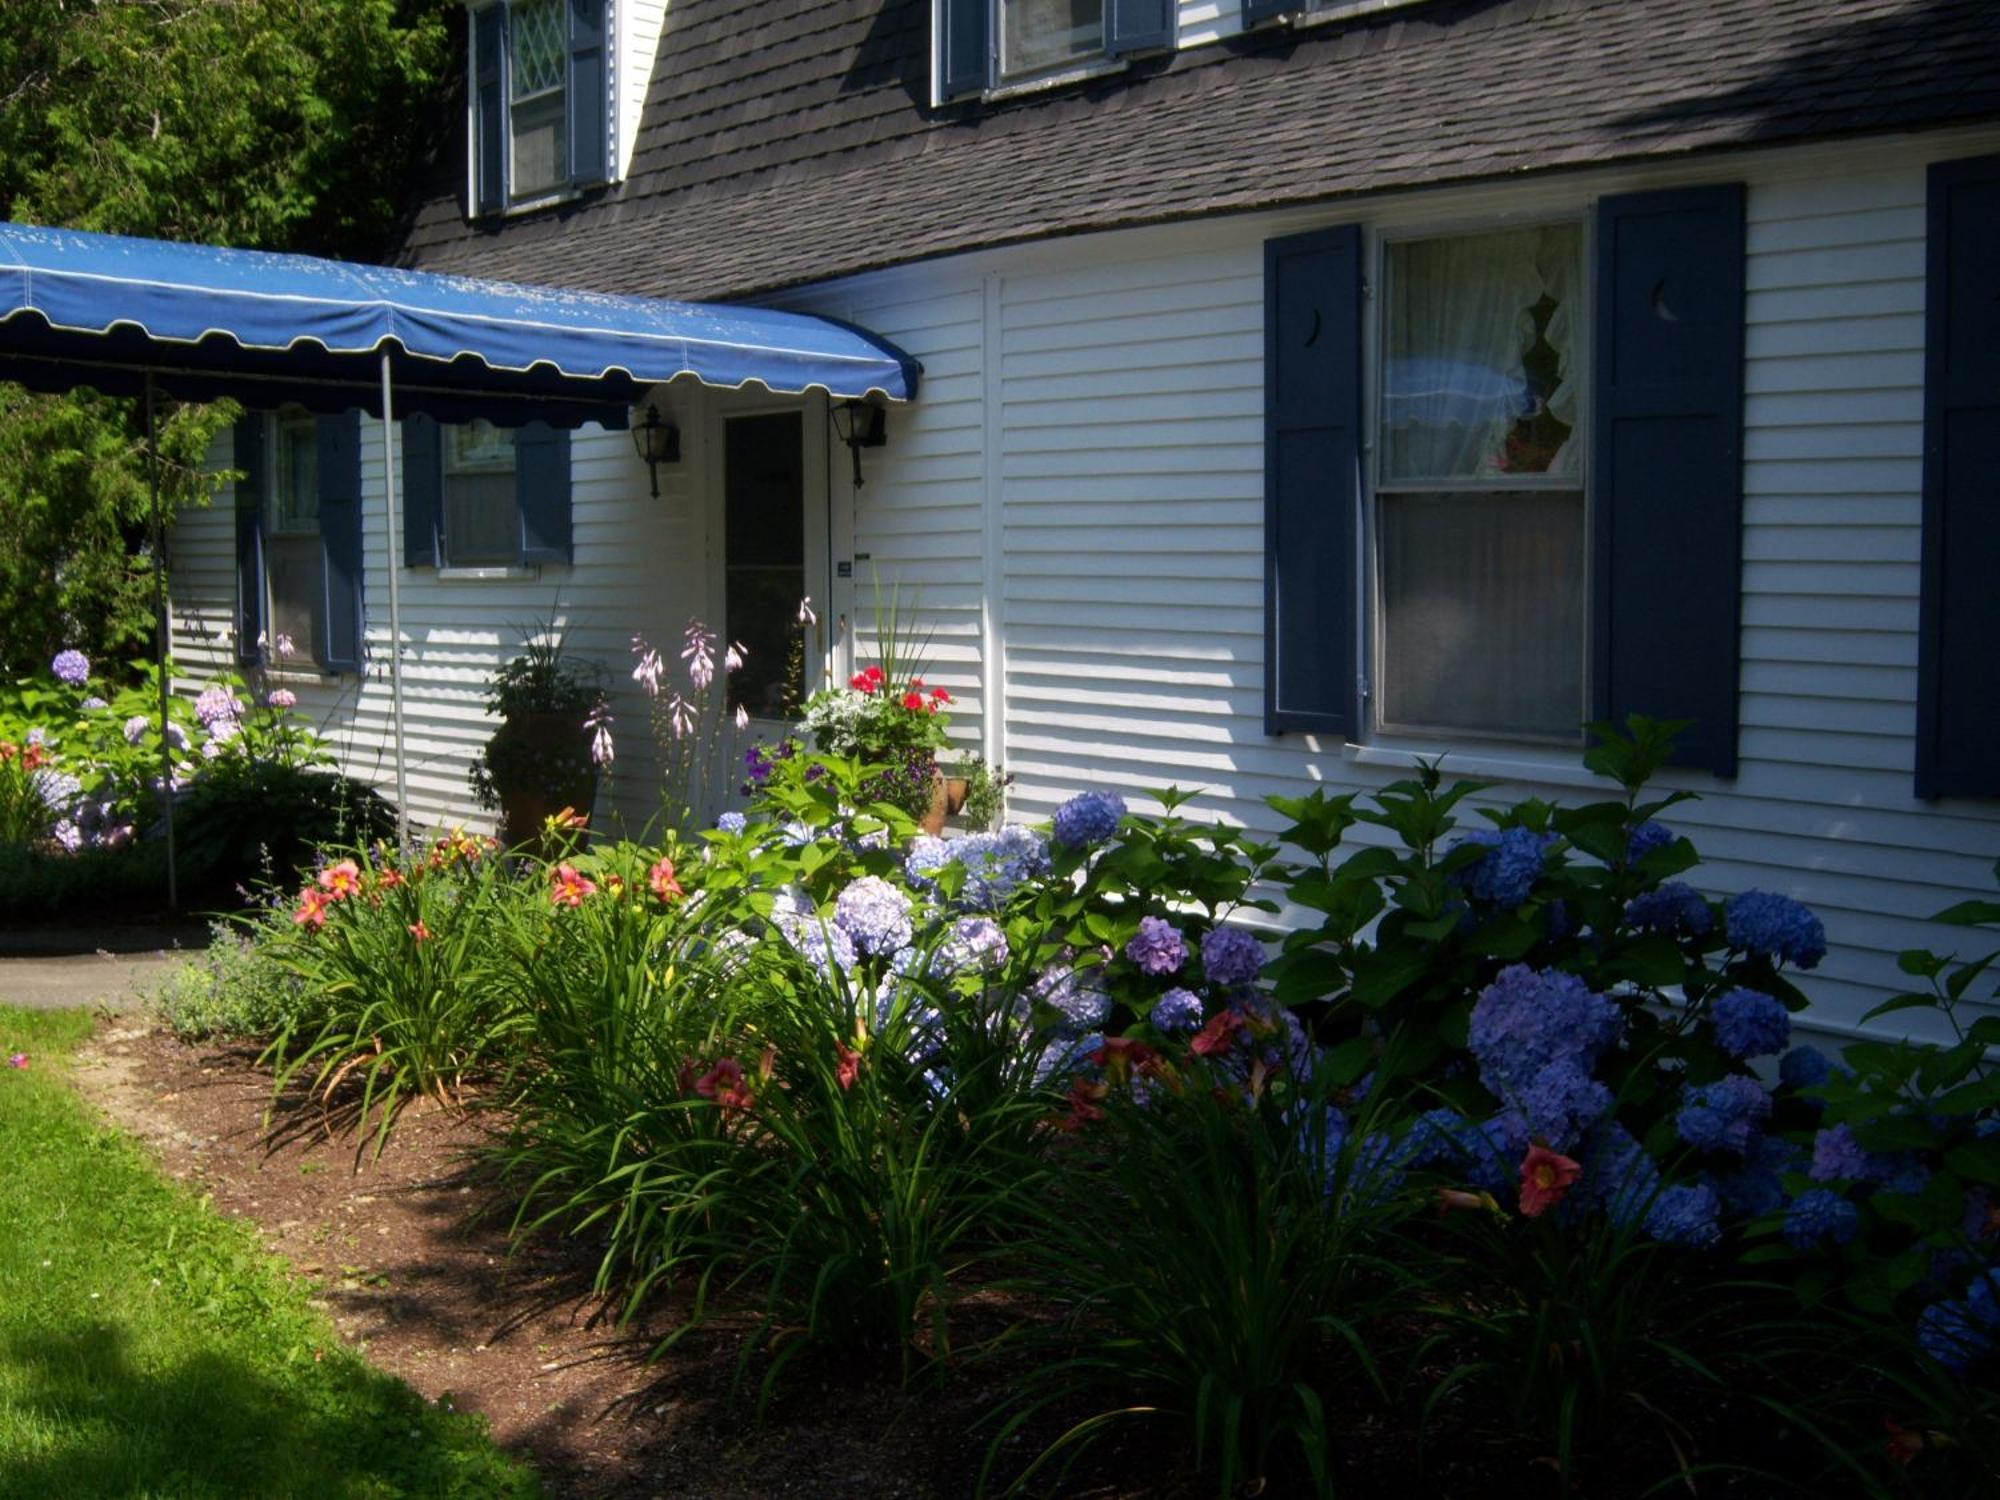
(988, 45)
(1038, 35)
(541, 101)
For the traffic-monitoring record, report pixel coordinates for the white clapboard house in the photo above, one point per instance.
(1307, 389)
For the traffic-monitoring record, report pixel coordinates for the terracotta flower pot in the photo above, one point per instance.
(948, 794)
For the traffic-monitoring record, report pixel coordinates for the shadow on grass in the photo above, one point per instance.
(103, 1424)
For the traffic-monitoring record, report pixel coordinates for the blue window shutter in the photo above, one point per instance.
(541, 482)
(1138, 26)
(337, 440)
(489, 107)
(1255, 12)
(589, 94)
(249, 622)
(1958, 706)
(423, 491)
(964, 46)
(1312, 477)
(1667, 464)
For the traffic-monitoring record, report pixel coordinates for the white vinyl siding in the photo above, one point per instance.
(635, 42)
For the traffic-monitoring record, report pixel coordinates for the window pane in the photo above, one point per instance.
(764, 559)
(1482, 612)
(295, 495)
(292, 566)
(1478, 378)
(535, 29)
(482, 517)
(1038, 34)
(539, 136)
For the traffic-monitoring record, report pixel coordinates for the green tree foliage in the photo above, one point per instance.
(273, 124)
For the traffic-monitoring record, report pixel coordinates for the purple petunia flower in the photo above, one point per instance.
(1177, 1010)
(1158, 948)
(1088, 818)
(72, 667)
(1231, 958)
(1749, 1023)
(1776, 927)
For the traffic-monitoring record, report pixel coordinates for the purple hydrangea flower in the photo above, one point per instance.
(1619, 1178)
(1231, 958)
(282, 698)
(874, 914)
(1757, 1187)
(975, 943)
(1724, 1115)
(996, 864)
(72, 667)
(1672, 908)
(1506, 877)
(1776, 927)
(1644, 839)
(1688, 1215)
(1082, 1006)
(1802, 1067)
(1177, 1010)
(1820, 1215)
(93, 704)
(1837, 1156)
(215, 704)
(1526, 1020)
(1562, 1102)
(731, 822)
(1749, 1023)
(1088, 818)
(136, 729)
(1158, 948)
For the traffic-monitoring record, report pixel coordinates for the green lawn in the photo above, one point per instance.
(149, 1348)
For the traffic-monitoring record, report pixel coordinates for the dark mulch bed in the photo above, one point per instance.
(409, 1254)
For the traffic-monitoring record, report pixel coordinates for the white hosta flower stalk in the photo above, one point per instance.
(681, 716)
(806, 615)
(742, 717)
(699, 654)
(732, 659)
(647, 674)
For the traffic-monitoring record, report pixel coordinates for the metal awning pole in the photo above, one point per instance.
(164, 623)
(395, 605)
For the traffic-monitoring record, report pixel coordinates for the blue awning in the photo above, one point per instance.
(204, 322)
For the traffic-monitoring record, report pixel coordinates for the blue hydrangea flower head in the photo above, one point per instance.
(1088, 818)
(1838, 1157)
(1619, 1178)
(1526, 1019)
(93, 704)
(731, 822)
(136, 729)
(1757, 1187)
(975, 943)
(1802, 1067)
(1440, 1136)
(1647, 837)
(1562, 1102)
(1820, 1215)
(1724, 1115)
(1953, 1334)
(875, 914)
(1158, 948)
(1749, 1023)
(1674, 908)
(1506, 877)
(72, 667)
(1688, 1214)
(1081, 1005)
(1176, 1011)
(1231, 958)
(1776, 927)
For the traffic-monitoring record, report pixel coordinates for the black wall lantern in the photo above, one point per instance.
(860, 424)
(658, 443)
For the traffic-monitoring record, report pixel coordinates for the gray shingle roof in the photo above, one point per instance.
(786, 141)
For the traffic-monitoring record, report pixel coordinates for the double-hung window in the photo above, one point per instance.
(541, 100)
(480, 524)
(1468, 533)
(293, 564)
(1479, 464)
(1039, 35)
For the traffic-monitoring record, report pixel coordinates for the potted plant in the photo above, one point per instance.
(539, 762)
(883, 718)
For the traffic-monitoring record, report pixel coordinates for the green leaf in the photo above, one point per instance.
(1310, 975)
(1381, 975)
(1654, 961)
(1978, 1160)
(1911, 1001)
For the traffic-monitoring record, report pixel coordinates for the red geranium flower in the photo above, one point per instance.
(913, 701)
(940, 695)
(861, 682)
(1545, 1177)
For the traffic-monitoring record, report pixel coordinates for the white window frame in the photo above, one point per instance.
(562, 192)
(1374, 728)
